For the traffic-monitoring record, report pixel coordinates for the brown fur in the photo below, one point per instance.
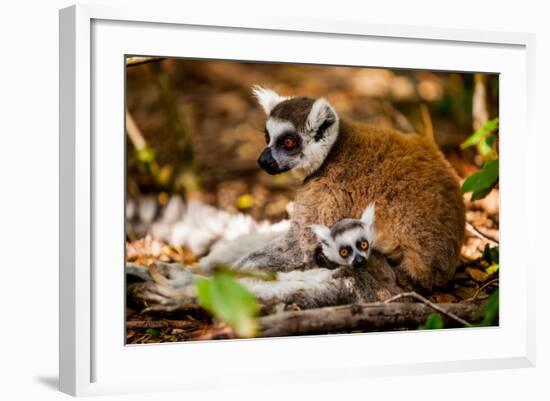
(419, 208)
(294, 110)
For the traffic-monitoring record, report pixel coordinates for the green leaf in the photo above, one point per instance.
(481, 194)
(483, 181)
(145, 154)
(433, 322)
(473, 139)
(490, 140)
(491, 254)
(480, 134)
(204, 293)
(492, 269)
(229, 301)
(491, 125)
(491, 310)
(485, 148)
(153, 332)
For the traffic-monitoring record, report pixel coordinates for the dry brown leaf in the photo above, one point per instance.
(444, 298)
(476, 274)
(465, 292)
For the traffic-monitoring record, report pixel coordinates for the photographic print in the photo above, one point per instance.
(277, 199)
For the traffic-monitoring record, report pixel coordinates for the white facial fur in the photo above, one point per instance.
(314, 151)
(362, 230)
(276, 127)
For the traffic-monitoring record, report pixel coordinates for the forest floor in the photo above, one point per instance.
(476, 277)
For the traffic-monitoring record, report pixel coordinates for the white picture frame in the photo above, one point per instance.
(93, 357)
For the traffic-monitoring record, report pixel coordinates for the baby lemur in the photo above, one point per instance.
(347, 243)
(349, 165)
(342, 276)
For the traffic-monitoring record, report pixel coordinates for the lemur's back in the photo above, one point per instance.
(419, 209)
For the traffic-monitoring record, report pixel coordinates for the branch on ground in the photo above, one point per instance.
(365, 317)
(134, 61)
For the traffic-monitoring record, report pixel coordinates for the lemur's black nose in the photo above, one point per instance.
(358, 262)
(268, 163)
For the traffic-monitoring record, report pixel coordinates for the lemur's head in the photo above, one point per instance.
(349, 241)
(299, 132)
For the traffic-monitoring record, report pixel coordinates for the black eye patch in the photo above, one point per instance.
(322, 128)
(289, 141)
(362, 244)
(345, 251)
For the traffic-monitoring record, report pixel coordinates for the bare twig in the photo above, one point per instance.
(487, 284)
(435, 307)
(474, 230)
(160, 324)
(134, 61)
(480, 112)
(427, 120)
(134, 133)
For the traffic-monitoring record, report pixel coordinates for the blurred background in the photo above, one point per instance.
(194, 132)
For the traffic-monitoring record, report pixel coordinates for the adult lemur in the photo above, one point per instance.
(347, 165)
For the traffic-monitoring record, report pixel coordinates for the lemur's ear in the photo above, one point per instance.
(321, 232)
(267, 98)
(321, 116)
(368, 215)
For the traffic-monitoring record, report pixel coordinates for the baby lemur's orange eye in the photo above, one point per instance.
(266, 137)
(363, 245)
(344, 252)
(289, 143)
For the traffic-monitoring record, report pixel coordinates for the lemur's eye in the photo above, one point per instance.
(289, 142)
(344, 252)
(363, 245)
(266, 137)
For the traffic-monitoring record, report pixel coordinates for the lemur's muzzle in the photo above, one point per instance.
(358, 262)
(268, 163)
